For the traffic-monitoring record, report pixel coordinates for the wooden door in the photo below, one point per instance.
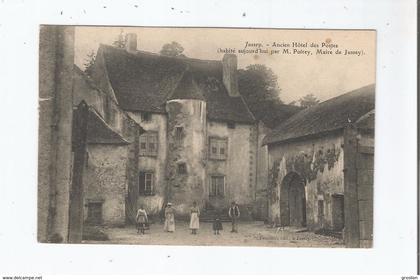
(297, 203)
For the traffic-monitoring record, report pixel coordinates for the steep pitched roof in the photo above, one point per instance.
(143, 81)
(99, 132)
(327, 116)
(187, 88)
(367, 121)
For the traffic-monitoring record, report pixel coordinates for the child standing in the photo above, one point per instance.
(217, 224)
(141, 219)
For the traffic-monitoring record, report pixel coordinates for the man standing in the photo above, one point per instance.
(234, 215)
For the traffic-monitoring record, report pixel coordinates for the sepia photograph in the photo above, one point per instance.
(206, 136)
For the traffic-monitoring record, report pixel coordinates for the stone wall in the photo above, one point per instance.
(319, 162)
(105, 180)
(358, 186)
(157, 164)
(186, 146)
(239, 167)
(261, 186)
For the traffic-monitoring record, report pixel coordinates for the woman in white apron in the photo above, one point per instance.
(169, 218)
(194, 218)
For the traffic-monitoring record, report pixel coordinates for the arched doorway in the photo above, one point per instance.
(293, 200)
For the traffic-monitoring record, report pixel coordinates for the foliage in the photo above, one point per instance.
(259, 87)
(91, 56)
(172, 49)
(120, 42)
(308, 100)
(258, 82)
(89, 62)
(273, 178)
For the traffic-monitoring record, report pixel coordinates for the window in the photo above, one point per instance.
(146, 116)
(217, 186)
(218, 148)
(149, 143)
(179, 133)
(94, 213)
(231, 125)
(146, 182)
(182, 168)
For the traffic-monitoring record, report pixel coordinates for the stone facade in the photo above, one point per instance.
(201, 153)
(239, 166)
(261, 185)
(184, 136)
(106, 182)
(155, 164)
(319, 165)
(186, 153)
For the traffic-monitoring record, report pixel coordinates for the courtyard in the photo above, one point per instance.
(250, 234)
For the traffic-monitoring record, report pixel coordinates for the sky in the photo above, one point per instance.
(299, 74)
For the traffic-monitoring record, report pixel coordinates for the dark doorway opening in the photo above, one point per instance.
(293, 201)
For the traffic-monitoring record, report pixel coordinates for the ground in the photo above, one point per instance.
(250, 234)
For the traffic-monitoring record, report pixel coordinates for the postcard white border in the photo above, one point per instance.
(395, 223)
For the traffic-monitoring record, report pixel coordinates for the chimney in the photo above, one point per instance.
(230, 75)
(131, 42)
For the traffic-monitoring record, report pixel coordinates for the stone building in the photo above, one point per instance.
(147, 129)
(321, 167)
(111, 155)
(201, 142)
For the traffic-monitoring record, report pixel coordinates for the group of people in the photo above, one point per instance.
(169, 224)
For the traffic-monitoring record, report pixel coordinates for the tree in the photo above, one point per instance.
(89, 62)
(259, 87)
(308, 100)
(120, 42)
(258, 82)
(172, 49)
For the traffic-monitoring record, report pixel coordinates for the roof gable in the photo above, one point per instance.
(99, 132)
(187, 88)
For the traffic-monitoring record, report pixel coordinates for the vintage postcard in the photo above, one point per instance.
(206, 136)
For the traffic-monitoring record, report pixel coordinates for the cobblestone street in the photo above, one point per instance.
(250, 234)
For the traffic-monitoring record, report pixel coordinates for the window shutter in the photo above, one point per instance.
(142, 187)
(143, 144)
(148, 183)
(220, 186)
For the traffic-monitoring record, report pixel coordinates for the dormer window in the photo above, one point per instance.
(231, 125)
(146, 116)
